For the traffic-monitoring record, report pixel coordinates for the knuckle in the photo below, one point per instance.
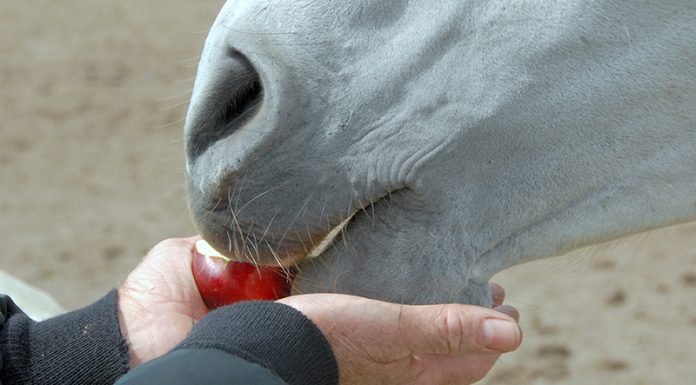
(453, 330)
(459, 333)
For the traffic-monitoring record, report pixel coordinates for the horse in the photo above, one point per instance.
(408, 151)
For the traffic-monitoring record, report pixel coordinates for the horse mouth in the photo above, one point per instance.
(328, 240)
(245, 242)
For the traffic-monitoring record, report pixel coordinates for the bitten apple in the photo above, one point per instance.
(222, 281)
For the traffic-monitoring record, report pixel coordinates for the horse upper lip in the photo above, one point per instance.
(290, 254)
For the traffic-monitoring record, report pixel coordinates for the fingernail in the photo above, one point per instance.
(501, 335)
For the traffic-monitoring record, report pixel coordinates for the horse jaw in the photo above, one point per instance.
(483, 136)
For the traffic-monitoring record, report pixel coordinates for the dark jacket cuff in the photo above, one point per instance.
(270, 334)
(81, 347)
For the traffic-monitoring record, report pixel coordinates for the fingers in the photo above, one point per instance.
(414, 344)
(180, 247)
(175, 244)
(497, 294)
(508, 310)
(457, 329)
(165, 271)
(468, 369)
(158, 302)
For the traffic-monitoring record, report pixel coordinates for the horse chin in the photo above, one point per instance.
(324, 275)
(377, 254)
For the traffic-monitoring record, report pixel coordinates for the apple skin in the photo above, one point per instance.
(222, 281)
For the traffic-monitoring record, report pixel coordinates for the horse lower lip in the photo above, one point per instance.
(328, 240)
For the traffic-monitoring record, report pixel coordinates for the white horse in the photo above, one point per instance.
(446, 140)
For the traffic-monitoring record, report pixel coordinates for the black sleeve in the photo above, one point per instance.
(261, 343)
(81, 347)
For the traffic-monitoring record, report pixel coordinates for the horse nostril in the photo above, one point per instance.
(245, 102)
(234, 98)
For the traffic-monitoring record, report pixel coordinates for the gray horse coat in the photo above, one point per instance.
(447, 141)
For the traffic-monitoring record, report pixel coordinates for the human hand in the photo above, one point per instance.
(374, 341)
(384, 343)
(158, 304)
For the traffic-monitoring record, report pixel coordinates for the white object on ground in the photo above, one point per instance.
(38, 304)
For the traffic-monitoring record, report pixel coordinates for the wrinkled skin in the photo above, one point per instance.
(464, 138)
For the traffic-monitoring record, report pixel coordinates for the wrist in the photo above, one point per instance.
(80, 347)
(127, 319)
(273, 335)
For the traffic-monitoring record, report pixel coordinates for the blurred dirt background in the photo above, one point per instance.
(92, 100)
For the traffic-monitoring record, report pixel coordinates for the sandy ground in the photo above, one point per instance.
(92, 97)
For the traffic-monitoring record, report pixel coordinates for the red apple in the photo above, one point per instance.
(222, 281)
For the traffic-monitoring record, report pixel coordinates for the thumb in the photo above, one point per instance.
(457, 329)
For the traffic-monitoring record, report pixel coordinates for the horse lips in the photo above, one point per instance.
(222, 281)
